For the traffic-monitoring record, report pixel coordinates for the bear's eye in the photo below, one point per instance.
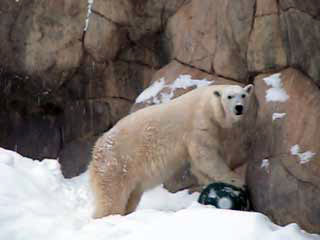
(230, 97)
(243, 95)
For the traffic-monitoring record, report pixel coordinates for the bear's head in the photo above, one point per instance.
(235, 100)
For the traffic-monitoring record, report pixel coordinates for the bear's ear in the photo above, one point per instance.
(248, 88)
(217, 93)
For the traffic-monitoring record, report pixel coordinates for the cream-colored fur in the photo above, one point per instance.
(147, 147)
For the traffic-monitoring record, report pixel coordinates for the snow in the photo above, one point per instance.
(265, 164)
(304, 157)
(151, 93)
(37, 202)
(276, 116)
(276, 93)
(295, 149)
(90, 4)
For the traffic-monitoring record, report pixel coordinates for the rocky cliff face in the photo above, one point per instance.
(61, 85)
(284, 172)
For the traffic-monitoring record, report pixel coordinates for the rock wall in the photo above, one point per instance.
(284, 172)
(62, 85)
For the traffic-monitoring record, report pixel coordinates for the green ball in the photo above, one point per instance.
(225, 196)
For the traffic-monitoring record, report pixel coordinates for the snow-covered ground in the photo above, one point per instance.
(37, 203)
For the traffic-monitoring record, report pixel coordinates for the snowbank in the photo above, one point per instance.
(36, 202)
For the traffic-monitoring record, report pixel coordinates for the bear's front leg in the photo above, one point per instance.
(208, 165)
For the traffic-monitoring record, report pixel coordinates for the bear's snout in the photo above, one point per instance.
(239, 109)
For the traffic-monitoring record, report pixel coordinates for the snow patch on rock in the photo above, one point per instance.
(276, 116)
(276, 93)
(151, 94)
(152, 91)
(265, 164)
(90, 4)
(304, 157)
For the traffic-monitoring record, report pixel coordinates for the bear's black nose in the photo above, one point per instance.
(239, 109)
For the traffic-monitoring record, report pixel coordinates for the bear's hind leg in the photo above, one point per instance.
(134, 200)
(109, 197)
(110, 202)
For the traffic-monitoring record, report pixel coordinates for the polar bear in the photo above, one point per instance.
(147, 147)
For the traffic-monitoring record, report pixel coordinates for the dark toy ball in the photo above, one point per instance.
(225, 196)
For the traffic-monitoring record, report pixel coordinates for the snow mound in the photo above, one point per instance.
(37, 202)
